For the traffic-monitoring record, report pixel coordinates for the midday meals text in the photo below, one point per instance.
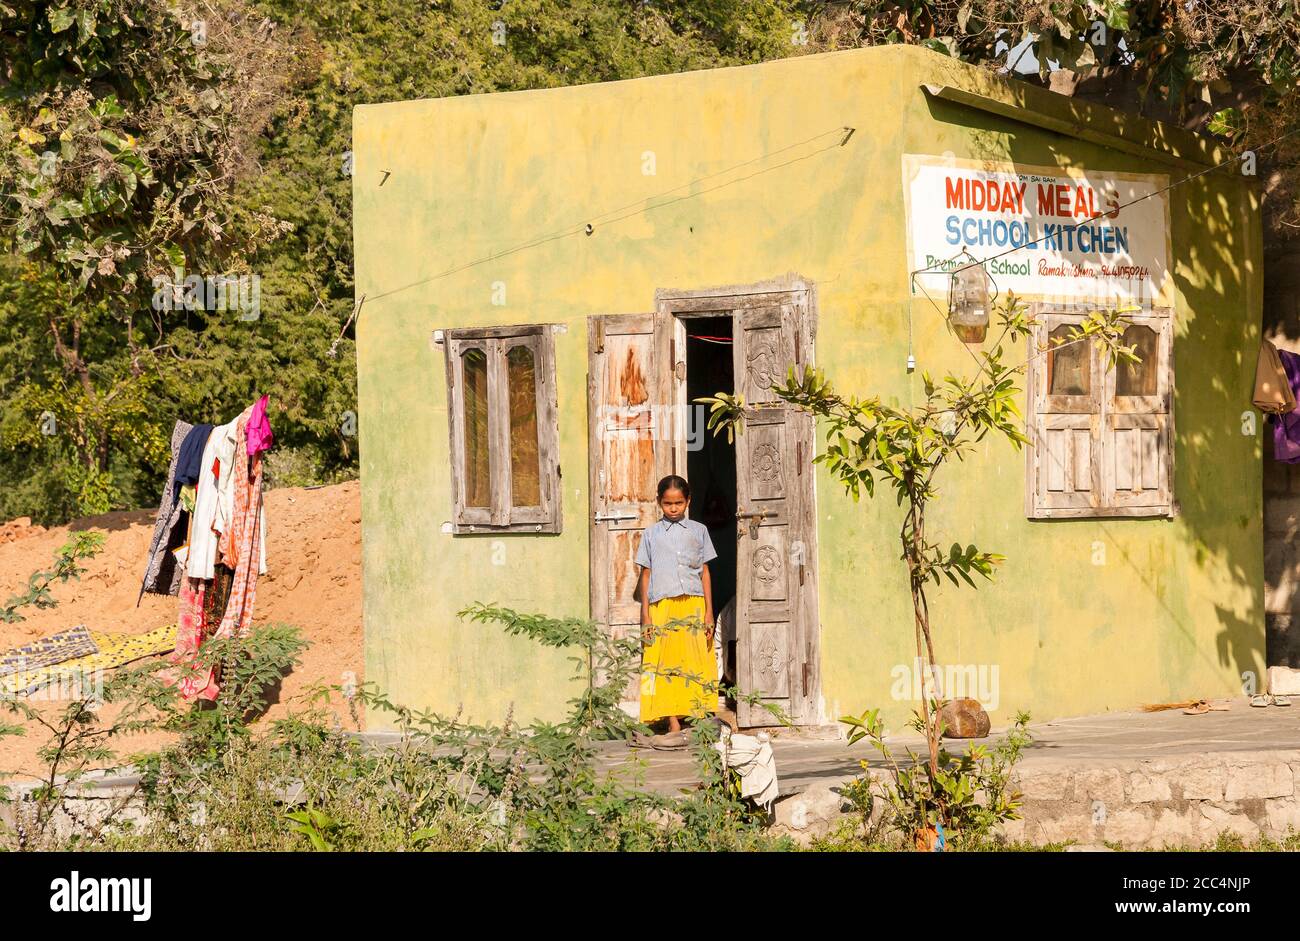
(1060, 200)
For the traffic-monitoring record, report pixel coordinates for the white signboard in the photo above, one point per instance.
(1047, 233)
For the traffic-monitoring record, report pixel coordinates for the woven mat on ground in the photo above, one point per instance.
(65, 645)
(113, 650)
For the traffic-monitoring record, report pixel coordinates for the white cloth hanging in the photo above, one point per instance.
(202, 551)
(752, 759)
(214, 500)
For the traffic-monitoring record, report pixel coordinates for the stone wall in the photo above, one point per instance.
(1182, 803)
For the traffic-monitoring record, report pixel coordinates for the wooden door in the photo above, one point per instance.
(777, 636)
(774, 521)
(624, 467)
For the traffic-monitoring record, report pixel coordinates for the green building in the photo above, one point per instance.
(551, 277)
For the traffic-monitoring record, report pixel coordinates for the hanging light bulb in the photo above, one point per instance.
(968, 302)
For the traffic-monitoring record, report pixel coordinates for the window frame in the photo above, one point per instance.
(502, 515)
(1105, 416)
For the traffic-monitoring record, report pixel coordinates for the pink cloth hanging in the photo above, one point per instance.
(260, 436)
(241, 545)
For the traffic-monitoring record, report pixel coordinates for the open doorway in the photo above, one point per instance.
(755, 494)
(711, 470)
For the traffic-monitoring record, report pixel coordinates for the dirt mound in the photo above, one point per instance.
(313, 581)
(14, 530)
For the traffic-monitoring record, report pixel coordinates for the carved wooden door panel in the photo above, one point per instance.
(775, 580)
(622, 442)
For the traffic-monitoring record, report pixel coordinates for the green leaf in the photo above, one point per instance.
(60, 19)
(85, 25)
(1226, 123)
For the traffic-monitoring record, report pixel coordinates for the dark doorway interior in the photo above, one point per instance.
(711, 467)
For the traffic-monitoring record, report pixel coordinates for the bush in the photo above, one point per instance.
(964, 796)
(304, 783)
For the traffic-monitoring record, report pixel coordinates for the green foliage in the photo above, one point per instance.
(445, 784)
(320, 827)
(117, 126)
(306, 783)
(968, 794)
(250, 669)
(82, 545)
(124, 128)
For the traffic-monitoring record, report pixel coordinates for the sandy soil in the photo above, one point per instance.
(313, 580)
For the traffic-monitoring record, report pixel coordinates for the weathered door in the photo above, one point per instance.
(775, 521)
(623, 466)
(777, 650)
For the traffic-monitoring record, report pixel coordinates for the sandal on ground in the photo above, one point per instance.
(669, 741)
(1260, 700)
(641, 740)
(1197, 709)
(1281, 700)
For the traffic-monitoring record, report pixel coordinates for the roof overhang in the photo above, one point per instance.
(1108, 128)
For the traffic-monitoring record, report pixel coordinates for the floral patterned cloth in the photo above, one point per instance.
(191, 630)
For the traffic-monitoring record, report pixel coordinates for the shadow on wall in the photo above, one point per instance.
(1221, 339)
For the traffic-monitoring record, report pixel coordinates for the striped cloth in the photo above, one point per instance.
(47, 651)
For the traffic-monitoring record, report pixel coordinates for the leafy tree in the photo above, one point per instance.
(231, 156)
(124, 125)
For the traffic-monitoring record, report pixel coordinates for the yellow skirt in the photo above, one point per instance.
(681, 648)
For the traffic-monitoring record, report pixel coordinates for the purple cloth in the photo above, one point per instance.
(259, 428)
(1286, 428)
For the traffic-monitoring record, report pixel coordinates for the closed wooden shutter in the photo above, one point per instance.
(503, 424)
(1101, 437)
(1065, 390)
(1138, 448)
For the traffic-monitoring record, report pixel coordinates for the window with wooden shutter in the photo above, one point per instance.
(1101, 436)
(504, 429)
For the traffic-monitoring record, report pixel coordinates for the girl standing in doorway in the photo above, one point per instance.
(676, 614)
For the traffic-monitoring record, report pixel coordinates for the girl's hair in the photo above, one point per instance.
(673, 482)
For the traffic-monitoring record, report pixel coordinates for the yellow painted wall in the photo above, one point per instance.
(492, 189)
